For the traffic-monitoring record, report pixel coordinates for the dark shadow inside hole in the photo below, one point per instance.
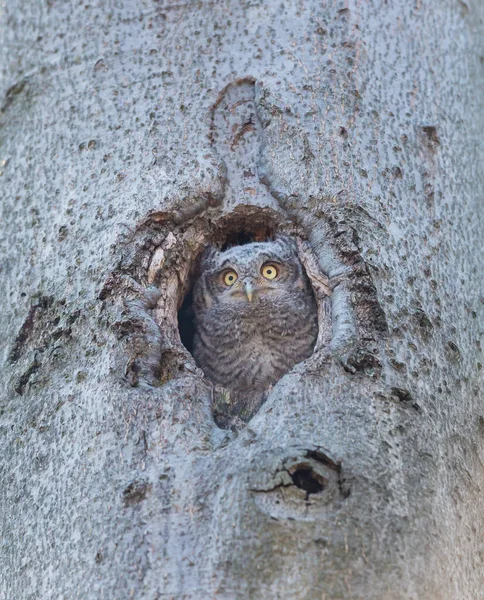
(245, 236)
(186, 321)
(305, 479)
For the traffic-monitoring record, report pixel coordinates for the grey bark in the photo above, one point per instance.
(131, 134)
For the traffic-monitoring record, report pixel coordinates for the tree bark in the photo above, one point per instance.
(131, 136)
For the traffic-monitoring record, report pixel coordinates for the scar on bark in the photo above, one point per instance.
(310, 470)
(46, 328)
(28, 326)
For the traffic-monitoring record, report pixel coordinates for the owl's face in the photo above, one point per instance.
(252, 273)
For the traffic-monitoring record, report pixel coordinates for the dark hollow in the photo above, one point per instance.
(239, 238)
(304, 479)
(186, 322)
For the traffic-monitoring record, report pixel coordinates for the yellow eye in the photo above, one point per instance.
(230, 278)
(269, 271)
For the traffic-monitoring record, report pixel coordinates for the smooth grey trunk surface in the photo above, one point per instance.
(131, 134)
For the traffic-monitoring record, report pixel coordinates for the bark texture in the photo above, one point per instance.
(131, 135)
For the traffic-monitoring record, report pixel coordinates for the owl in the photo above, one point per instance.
(255, 314)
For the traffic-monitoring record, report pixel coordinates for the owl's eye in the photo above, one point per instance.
(230, 277)
(269, 271)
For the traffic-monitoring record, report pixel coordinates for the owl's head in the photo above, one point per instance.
(255, 272)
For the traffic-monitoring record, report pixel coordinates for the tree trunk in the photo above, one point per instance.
(131, 136)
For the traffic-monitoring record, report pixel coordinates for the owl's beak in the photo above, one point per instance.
(249, 289)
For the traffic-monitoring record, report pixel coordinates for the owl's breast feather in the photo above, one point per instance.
(252, 344)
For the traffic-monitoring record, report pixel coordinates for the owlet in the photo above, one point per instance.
(255, 314)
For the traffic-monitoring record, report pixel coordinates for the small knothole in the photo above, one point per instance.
(306, 479)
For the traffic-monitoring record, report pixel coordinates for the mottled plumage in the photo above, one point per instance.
(251, 331)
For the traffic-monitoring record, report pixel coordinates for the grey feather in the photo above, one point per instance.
(248, 345)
